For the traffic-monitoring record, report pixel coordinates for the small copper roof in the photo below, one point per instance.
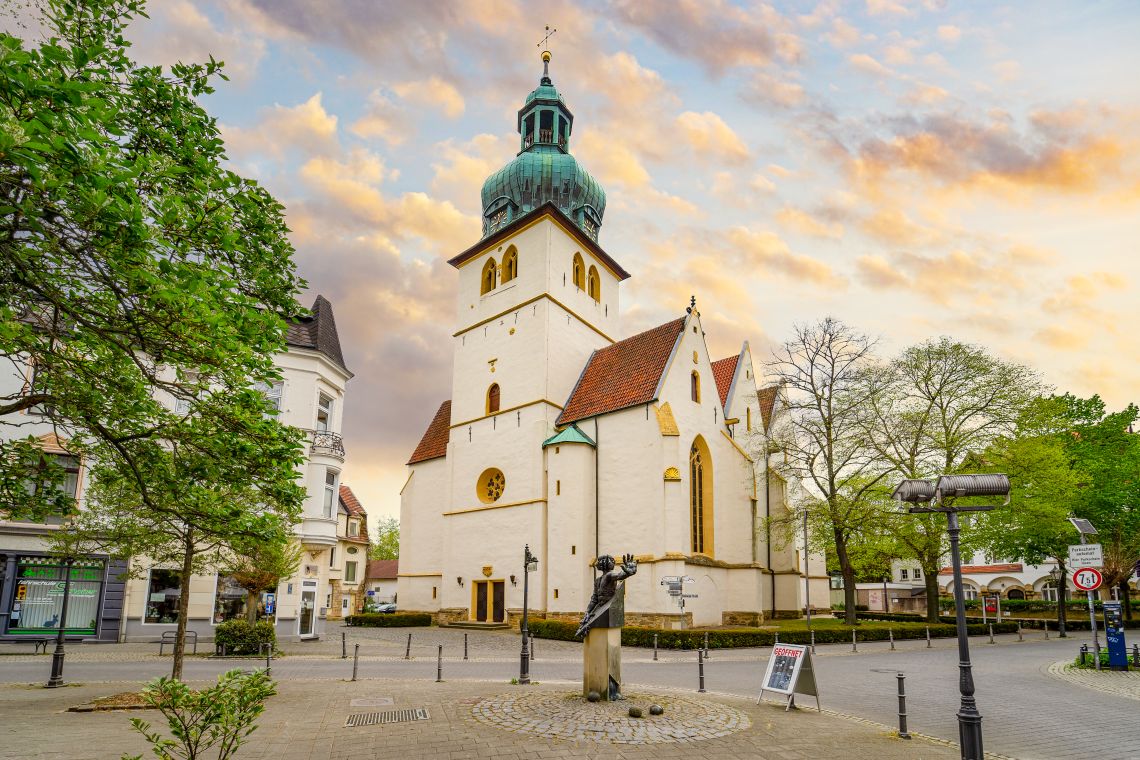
(624, 374)
(434, 443)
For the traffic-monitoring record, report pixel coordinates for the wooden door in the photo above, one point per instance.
(499, 601)
(481, 601)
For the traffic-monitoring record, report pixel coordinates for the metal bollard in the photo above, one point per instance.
(465, 646)
(268, 658)
(928, 644)
(706, 645)
(439, 665)
(343, 645)
(355, 659)
(532, 647)
(813, 642)
(853, 647)
(891, 634)
(655, 647)
(701, 671)
(408, 651)
(1019, 636)
(777, 638)
(903, 734)
(1046, 629)
(991, 633)
(1136, 655)
(1084, 652)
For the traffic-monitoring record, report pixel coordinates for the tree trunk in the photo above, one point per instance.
(1125, 597)
(931, 594)
(848, 578)
(251, 605)
(1062, 597)
(183, 606)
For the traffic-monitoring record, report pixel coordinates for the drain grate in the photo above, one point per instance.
(391, 716)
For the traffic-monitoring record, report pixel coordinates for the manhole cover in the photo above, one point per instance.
(391, 716)
(371, 702)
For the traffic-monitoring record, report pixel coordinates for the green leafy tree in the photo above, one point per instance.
(140, 279)
(387, 543)
(262, 566)
(928, 408)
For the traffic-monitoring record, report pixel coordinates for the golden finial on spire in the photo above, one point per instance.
(545, 43)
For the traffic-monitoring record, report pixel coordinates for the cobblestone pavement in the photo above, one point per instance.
(1121, 684)
(306, 721)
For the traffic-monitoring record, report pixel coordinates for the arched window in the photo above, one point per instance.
(579, 272)
(594, 285)
(747, 418)
(488, 277)
(493, 398)
(701, 497)
(695, 386)
(510, 264)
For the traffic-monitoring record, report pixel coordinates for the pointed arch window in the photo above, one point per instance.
(510, 265)
(579, 272)
(594, 284)
(701, 498)
(493, 398)
(488, 279)
(695, 386)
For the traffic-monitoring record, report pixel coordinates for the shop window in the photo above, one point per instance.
(38, 602)
(163, 592)
(230, 600)
(350, 572)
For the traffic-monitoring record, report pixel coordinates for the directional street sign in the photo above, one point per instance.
(1087, 579)
(689, 596)
(1086, 555)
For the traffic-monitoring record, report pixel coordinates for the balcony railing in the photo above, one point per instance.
(327, 443)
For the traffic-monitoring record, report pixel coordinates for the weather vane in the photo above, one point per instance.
(546, 40)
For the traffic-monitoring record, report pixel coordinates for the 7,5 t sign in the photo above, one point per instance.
(1087, 579)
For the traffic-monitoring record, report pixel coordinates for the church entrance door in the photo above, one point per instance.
(481, 601)
(490, 602)
(499, 603)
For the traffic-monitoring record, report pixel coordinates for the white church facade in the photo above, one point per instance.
(565, 438)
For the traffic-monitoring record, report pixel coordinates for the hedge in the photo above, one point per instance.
(389, 619)
(244, 637)
(726, 638)
(1071, 624)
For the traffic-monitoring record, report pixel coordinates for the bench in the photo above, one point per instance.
(39, 642)
(170, 637)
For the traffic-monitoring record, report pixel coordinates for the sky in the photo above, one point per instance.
(915, 169)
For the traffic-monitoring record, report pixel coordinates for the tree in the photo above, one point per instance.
(262, 566)
(927, 409)
(387, 543)
(135, 269)
(823, 369)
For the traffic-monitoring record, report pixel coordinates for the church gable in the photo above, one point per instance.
(434, 443)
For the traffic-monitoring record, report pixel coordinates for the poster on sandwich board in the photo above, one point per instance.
(789, 672)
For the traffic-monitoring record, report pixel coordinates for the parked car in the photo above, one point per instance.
(386, 607)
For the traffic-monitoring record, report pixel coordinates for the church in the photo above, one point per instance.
(562, 436)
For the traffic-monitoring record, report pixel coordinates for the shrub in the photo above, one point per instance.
(220, 716)
(389, 620)
(244, 637)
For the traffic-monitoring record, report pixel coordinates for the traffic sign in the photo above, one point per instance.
(1087, 579)
(1086, 555)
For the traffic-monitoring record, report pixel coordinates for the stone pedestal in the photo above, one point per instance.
(601, 663)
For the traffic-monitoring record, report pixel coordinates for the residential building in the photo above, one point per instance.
(382, 574)
(348, 579)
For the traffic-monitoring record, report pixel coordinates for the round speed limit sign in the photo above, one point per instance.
(1087, 579)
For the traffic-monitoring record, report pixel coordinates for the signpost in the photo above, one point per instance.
(1086, 555)
(790, 672)
(675, 585)
(1087, 577)
(1114, 636)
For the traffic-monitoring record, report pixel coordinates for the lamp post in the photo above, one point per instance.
(915, 492)
(807, 574)
(57, 656)
(530, 564)
(1056, 575)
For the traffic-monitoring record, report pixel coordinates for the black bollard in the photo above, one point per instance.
(439, 665)
(1084, 652)
(532, 647)
(1046, 629)
(853, 647)
(655, 647)
(408, 651)
(1019, 636)
(343, 645)
(991, 633)
(268, 657)
(903, 734)
(1136, 655)
(706, 645)
(813, 642)
(701, 671)
(891, 634)
(355, 659)
(928, 644)
(465, 646)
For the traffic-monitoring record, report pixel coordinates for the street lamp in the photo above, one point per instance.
(530, 565)
(1057, 576)
(915, 492)
(57, 656)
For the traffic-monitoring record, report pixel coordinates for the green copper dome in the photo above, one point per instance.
(544, 170)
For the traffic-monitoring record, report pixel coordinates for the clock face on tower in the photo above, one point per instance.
(498, 219)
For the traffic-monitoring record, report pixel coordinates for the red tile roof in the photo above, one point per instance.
(382, 569)
(1012, 567)
(434, 443)
(351, 503)
(624, 374)
(767, 398)
(723, 370)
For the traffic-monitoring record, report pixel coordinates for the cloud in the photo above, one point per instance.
(949, 33)
(434, 92)
(1007, 71)
(897, 55)
(925, 94)
(800, 221)
(763, 87)
(869, 65)
(887, 8)
(462, 168)
(982, 276)
(892, 225)
(709, 137)
(384, 119)
(306, 128)
(842, 34)
(178, 31)
(766, 251)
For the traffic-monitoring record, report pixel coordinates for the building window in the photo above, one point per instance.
(70, 483)
(354, 527)
(491, 485)
(1049, 592)
(488, 278)
(230, 600)
(38, 603)
(350, 572)
(510, 264)
(433, 592)
(324, 413)
(344, 603)
(695, 386)
(902, 574)
(36, 385)
(700, 498)
(594, 285)
(163, 592)
(272, 393)
(332, 556)
(748, 418)
(917, 573)
(493, 398)
(331, 478)
(579, 272)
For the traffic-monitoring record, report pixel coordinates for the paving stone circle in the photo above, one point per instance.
(567, 715)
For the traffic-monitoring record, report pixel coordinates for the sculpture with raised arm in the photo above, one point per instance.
(605, 589)
(601, 625)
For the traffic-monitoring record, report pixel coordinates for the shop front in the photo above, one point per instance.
(32, 588)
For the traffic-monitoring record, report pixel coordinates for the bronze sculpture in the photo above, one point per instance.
(605, 589)
(601, 625)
